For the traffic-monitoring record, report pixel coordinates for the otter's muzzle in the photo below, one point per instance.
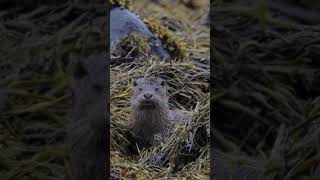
(147, 95)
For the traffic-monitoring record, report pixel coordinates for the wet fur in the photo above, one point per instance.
(146, 123)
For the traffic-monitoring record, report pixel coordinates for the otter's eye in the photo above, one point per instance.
(157, 89)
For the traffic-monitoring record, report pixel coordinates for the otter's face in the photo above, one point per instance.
(149, 93)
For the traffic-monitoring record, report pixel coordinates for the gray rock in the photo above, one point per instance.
(123, 22)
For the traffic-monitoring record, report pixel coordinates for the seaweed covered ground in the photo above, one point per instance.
(186, 153)
(266, 88)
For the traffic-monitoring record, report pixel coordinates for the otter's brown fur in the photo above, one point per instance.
(151, 120)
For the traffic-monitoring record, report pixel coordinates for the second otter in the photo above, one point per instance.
(151, 121)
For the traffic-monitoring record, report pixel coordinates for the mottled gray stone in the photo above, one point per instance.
(123, 22)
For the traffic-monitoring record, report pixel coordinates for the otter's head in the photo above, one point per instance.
(149, 94)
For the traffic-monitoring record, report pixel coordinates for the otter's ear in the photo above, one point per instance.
(163, 83)
(134, 83)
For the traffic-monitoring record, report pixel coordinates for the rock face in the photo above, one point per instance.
(123, 23)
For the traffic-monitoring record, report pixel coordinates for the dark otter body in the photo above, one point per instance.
(86, 139)
(3, 100)
(151, 121)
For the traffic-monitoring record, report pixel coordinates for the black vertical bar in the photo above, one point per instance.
(211, 94)
(108, 94)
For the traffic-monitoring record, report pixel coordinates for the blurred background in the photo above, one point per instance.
(40, 42)
(266, 88)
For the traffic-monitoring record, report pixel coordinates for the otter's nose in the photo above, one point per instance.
(147, 95)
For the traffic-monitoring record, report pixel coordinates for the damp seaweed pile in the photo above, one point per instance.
(170, 158)
(266, 87)
(184, 31)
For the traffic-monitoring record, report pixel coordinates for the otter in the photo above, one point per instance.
(86, 131)
(151, 120)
